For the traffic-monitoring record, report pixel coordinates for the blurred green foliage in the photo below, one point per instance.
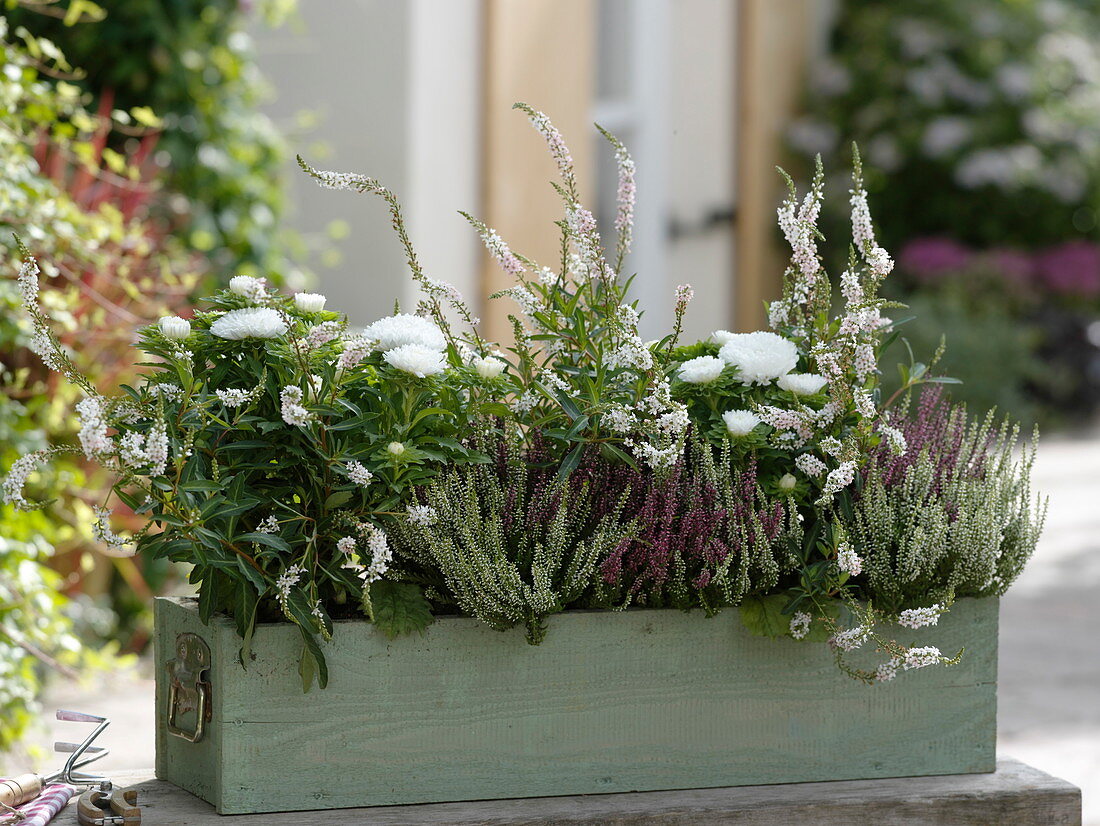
(190, 62)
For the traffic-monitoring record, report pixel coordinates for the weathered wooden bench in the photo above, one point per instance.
(1015, 794)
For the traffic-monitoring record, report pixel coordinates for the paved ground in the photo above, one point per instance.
(1050, 653)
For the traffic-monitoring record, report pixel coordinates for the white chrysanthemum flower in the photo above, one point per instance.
(416, 359)
(740, 422)
(489, 367)
(802, 384)
(701, 370)
(395, 449)
(398, 330)
(787, 482)
(359, 474)
(721, 337)
(254, 289)
(174, 327)
(309, 302)
(251, 322)
(759, 357)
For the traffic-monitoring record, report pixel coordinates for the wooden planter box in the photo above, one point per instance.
(610, 702)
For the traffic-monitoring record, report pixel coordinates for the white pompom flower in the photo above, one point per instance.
(802, 384)
(416, 359)
(701, 370)
(309, 302)
(174, 327)
(398, 330)
(489, 367)
(759, 357)
(740, 422)
(251, 322)
(254, 289)
(721, 337)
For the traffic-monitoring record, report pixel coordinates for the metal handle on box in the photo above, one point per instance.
(189, 686)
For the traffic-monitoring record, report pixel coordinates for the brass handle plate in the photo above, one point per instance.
(189, 686)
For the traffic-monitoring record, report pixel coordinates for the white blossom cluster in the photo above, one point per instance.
(92, 411)
(268, 525)
(292, 410)
(921, 657)
(136, 450)
(921, 617)
(701, 370)
(851, 639)
(416, 359)
(847, 560)
(253, 289)
(16, 479)
(810, 465)
(101, 529)
(284, 582)
(839, 478)
(423, 516)
(359, 474)
(800, 625)
(740, 422)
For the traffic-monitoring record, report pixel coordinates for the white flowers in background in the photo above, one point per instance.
(101, 529)
(93, 427)
(346, 545)
(416, 359)
(920, 617)
(759, 357)
(701, 370)
(16, 479)
(831, 446)
(847, 560)
(359, 474)
(401, 329)
(254, 289)
(721, 337)
(740, 422)
(851, 639)
(380, 552)
(423, 516)
(285, 581)
(269, 524)
(309, 302)
(625, 195)
(802, 384)
(231, 397)
(131, 450)
(800, 625)
(489, 367)
(921, 657)
(291, 406)
(810, 465)
(787, 482)
(174, 327)
(251, 322)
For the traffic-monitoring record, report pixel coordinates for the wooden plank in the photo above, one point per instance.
(773, 41)
(610, 702)
(1015, 794)
(540, 52)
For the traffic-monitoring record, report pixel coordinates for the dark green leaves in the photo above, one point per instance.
(399, 608)
(764, 616)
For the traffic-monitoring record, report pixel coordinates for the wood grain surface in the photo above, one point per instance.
(1015, 794)
(610, 702)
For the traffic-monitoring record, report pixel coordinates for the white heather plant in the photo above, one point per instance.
(307, 471)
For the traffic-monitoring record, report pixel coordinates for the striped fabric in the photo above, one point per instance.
(42, 809)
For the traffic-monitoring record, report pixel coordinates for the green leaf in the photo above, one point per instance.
(335, 500)
(399, 608)
(571, 461)
(763, 616)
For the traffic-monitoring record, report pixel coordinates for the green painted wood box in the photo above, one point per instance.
(610, 702)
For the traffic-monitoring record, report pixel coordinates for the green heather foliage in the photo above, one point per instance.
(957, 522)
(310, 472)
